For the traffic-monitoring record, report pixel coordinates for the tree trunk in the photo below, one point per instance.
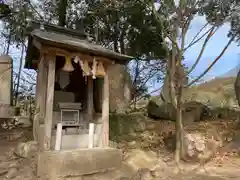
(237, 87)
(179, 125)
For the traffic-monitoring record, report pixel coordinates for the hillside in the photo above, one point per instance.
(231, 73)
(217, 92)
(217, 84)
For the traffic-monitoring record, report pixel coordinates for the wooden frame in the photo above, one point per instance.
(45, 95)
(51, 59)
(105, 110)
(40, 97)
(90, 106)
(61, 52)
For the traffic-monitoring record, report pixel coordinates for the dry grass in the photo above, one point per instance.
(216, 84)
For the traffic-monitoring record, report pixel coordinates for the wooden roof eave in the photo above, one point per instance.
(41, 38)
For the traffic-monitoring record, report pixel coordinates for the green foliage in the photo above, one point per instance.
(4, 10)
(16, 23)
(128, 27)
(119, 125)
(124, 124)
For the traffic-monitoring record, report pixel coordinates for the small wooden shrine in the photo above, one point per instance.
(68, 94)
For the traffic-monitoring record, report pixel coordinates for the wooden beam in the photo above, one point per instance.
(63, 52)
(40, 102)
(42, 84)
(37, 108)
(49, 103)
(37, 44)
(105, 110)
(90, 107)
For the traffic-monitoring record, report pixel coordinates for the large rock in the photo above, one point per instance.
(163, 111)
(192, 111)
(196, 147)
(196, 110)
(27, 150)
(224, 113)
(125, 124)
(120, 88)
(165, 89)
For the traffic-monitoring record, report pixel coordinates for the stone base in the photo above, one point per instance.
(59, 164)
(6, 111)
(72, 140)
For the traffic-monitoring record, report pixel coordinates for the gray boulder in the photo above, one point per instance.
(196, 110)
(196, 147)
(192, 111)
(163, 111)
(120, 85)
(224, 113)
(120, 89)
(27, 149)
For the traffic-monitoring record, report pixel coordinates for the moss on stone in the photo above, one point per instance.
(123, 124)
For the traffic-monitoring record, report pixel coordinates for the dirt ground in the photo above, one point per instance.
(223, 167)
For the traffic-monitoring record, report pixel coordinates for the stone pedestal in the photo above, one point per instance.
(78, 162)
(5, 79)
(6, 110)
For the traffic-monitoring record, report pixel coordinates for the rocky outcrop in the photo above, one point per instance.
(165, 89)
(163, 111)
(196, 110)
(27, 150)
(223, 113)
(192, 111)
(120, 88)
(196, 147)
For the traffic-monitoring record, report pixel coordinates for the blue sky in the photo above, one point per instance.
(214, 47)
(228, 61)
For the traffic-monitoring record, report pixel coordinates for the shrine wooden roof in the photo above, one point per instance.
(66, 39)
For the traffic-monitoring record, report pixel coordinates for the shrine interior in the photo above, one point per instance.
(71, 87)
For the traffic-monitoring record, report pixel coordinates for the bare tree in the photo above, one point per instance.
(178, 17)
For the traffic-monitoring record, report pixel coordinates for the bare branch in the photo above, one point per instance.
(210, 34)
(195, 37)
(24, 79)
(34, 9)
(214, 62)
(145, 94)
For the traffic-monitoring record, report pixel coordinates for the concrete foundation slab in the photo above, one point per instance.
(58, 164)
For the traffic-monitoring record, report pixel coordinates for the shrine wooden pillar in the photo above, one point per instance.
(40, 105)
(51, 61)
(90, 106)
(105, 110)
(42, 87)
